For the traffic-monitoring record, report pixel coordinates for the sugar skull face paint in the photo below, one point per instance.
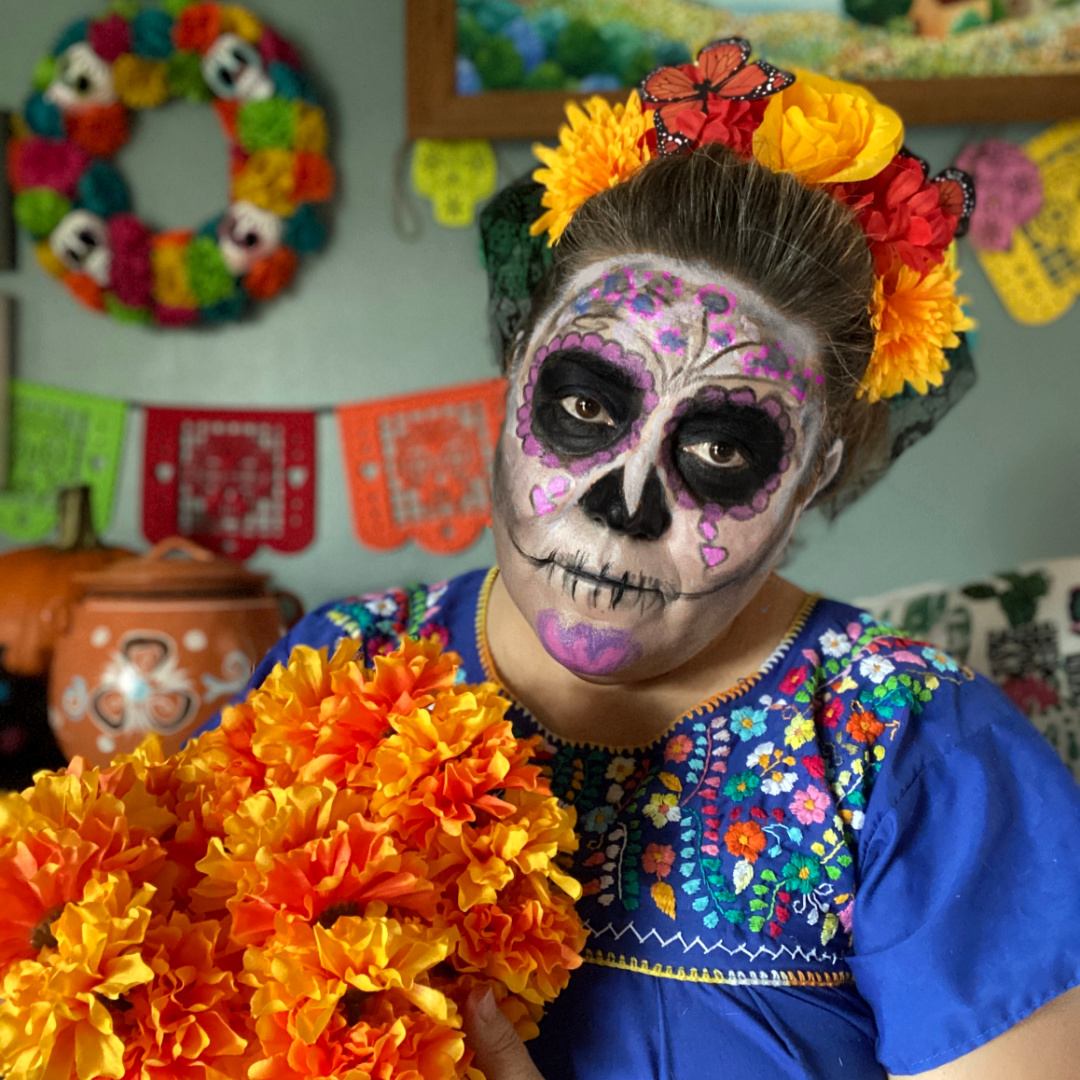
(664, 433)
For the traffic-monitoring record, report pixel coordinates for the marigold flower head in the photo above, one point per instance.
(602, 146)
(827, 131)
(917, 317)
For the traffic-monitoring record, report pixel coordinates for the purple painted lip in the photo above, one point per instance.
(585, 649)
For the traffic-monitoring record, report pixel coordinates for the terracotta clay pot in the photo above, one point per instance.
(157, 645)
(38, 586)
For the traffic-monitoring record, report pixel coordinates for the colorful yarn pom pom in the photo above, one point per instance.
(263, 125)
(210, 279)
(44, 118)
(102, 191)
(111, 38)
(152, 34)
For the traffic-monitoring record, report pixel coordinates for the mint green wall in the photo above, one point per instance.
(376, 315)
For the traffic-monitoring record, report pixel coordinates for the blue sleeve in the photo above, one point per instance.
(315, 630)
(967, 917)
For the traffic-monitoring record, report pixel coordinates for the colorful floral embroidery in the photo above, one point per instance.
(381, 619)
(739, 827)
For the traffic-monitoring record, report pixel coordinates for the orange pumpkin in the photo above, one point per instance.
(38, 586)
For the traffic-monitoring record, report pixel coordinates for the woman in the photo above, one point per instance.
(810, 848)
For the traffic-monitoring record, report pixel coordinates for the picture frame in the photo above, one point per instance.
(436, 110)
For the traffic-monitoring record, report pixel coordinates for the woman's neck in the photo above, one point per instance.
(633, 714)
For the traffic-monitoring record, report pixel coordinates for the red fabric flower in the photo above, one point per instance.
(110, 37)
(901, 214)
(815, 766)
(732, 123)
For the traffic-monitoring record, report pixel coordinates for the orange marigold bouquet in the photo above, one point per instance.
(311, 890)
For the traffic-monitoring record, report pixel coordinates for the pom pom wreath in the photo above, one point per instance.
(313, 889)
(270, 275)
(102, 191)
(168, 256)
(601, 147)
(71, 35)
(311, 131)
(86, 290)
(240, 21)
(151, 34)
(49, 260)
(47, 163)
(197, 27)
(40, 210)
(101, 130)
(314, 178)
(827, 131)
(141, 83)
(58, 155)
(131, 271)
(186, 77)
(44, 72)
(110, 38)
(268, 179)
(208, 275)
(305, 232)
(44, 118)
(263, 125)
(917, 317)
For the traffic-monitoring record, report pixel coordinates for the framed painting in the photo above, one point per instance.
(504, 69)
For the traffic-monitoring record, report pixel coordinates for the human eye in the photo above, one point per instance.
(587, 409)
(582, 404)
(719, 455)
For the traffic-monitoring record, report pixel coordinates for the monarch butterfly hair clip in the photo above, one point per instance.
(831, 135)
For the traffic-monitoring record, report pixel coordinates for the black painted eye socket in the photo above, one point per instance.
(582, 404)
(726, 453)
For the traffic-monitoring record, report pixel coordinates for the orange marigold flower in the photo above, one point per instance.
(601, 147)
(530, 940)
(917, 317)
(864, 726)
(191, 1019)
(57, 1017)
(745, 840)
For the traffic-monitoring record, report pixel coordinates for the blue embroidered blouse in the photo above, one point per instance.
(861, 858)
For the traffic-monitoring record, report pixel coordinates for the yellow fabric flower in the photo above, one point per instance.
(916, 318)
(240, 21)
(141, 83)
(600, 148)
(268, 179)
(827, 132)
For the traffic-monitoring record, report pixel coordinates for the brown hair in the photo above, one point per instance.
(799, 248)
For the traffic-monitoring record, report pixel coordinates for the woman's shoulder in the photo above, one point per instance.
(444, 609)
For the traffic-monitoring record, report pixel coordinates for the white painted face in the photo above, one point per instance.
(246, 234)
(664, 433)
(82, 79)
(233, 68)
(81, 243)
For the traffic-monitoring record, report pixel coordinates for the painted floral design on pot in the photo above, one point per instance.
(143, 688)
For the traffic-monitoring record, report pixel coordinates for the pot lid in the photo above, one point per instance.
(174, 567)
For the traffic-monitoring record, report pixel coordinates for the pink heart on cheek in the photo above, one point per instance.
(713, 556)
(542, 495)
(708, 530)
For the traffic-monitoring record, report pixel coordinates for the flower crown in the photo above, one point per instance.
(831, 135)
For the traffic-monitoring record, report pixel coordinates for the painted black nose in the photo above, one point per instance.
(605, 502)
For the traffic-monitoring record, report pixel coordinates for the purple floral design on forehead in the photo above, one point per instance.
(670, 340)
(773, 361)
(611, 351)
(718, 306)
(639, 294)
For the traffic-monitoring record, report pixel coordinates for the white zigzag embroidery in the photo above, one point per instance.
(794, 953)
